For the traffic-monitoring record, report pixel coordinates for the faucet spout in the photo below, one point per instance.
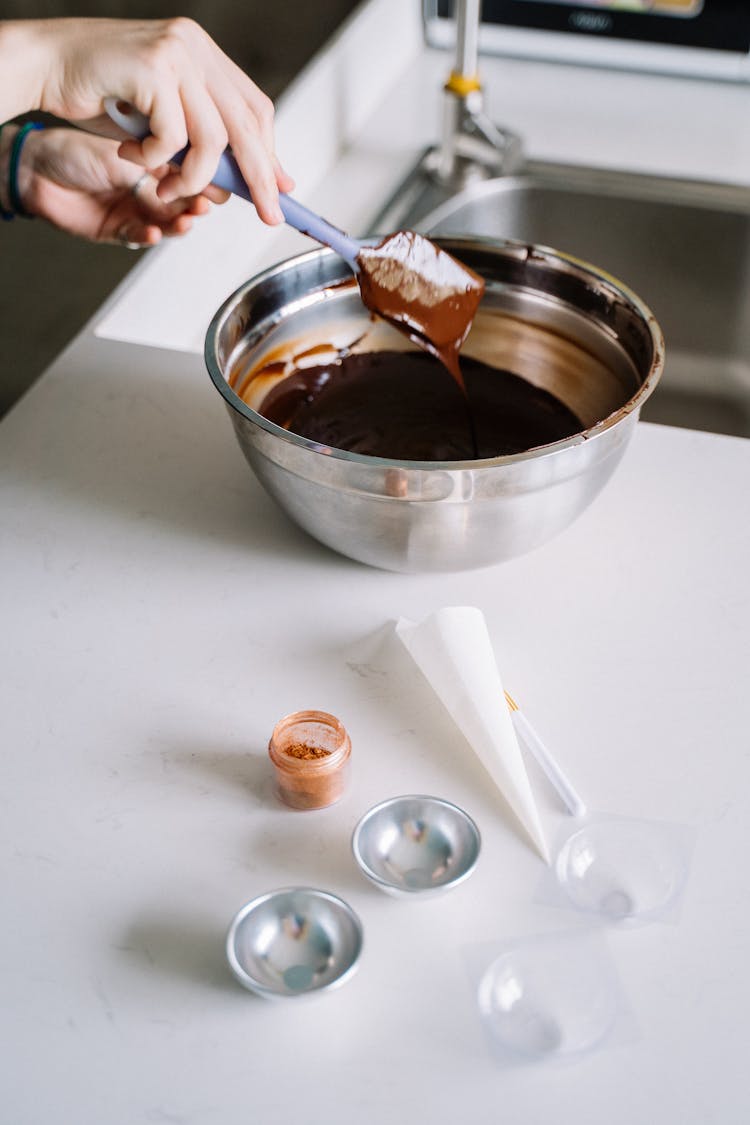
(472, 147)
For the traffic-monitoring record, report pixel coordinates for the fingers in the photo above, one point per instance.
(80, 184)
(169, 130)
(204, 128)
(215, 194)
(198, 205)
(283, 180)
(135, 235)
(208, 121)
(140, 218)
(258, 171)
(249, 137)
(147, 193)
(136, 231)
(262, 110)
(208, 139)
(193, 94)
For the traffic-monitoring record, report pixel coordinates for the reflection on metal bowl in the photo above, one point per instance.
(294, 942)
(563, 325)
(416, 846)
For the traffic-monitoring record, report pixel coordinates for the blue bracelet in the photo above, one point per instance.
(6, 216)
(15, 156)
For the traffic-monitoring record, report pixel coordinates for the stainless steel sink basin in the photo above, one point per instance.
(682, 246)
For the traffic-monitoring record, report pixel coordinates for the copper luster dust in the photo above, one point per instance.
(310, 752)
(405, 406)
(423, 291)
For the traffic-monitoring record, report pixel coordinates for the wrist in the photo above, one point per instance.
(19, 173)
(26, 176)
(25, 56)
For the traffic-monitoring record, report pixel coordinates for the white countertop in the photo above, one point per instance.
(160, 614)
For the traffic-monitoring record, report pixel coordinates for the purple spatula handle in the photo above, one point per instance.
(229, 177)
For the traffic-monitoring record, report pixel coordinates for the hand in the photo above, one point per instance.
(80, 184)
(170, 70)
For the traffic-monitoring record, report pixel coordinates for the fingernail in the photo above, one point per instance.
(277, 214)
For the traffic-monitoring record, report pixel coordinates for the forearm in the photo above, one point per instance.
(24, 65)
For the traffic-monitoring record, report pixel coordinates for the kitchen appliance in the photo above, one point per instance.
(706, 38)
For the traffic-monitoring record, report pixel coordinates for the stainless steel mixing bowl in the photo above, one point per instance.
(560, 323)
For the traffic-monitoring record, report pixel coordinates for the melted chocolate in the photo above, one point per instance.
(405, 406)
(422, 290)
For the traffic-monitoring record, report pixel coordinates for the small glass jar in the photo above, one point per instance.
(310, 751)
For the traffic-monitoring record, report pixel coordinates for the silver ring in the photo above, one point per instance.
(121, 239)
(140, 182)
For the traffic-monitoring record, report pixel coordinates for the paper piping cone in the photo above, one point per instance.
(453, 650)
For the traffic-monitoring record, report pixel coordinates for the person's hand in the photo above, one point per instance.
(174, 73)
(80, 184)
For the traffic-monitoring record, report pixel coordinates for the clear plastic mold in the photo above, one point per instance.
(624, 871)
(550, 997)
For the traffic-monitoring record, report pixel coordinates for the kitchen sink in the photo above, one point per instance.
(682, 246)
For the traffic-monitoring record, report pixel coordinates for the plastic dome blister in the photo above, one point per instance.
(553, 997)
(621, 871)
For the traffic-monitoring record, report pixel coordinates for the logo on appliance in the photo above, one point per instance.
(597, 22)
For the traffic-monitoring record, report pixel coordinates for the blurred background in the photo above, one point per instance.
(67, 278)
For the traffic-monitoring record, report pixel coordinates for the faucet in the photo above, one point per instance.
(472, 147)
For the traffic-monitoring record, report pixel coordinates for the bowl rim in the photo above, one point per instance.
(389, 884)
(454, 244)
(250, 982)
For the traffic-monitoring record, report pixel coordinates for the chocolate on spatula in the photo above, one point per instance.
(422, 290)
